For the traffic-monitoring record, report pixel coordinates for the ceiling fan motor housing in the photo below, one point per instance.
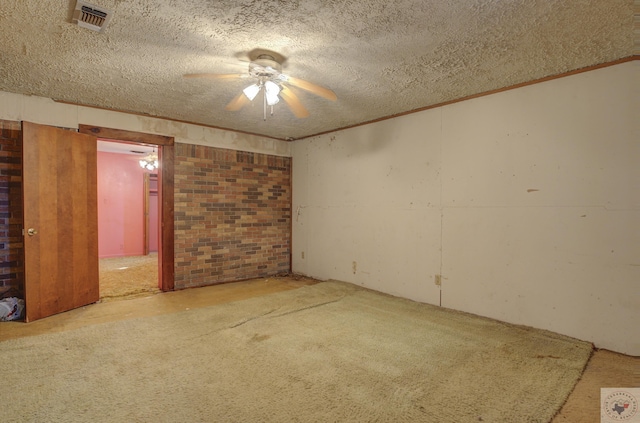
(265, 67)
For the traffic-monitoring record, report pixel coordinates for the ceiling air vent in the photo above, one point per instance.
(90, 16)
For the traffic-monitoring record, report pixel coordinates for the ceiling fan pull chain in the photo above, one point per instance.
(264, 104)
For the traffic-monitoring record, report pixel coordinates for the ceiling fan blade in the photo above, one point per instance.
(216, 75)
(237, 103)
(312, 88)
(294, 103)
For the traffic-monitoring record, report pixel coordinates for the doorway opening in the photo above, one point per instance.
(165, 150)
(128, 223)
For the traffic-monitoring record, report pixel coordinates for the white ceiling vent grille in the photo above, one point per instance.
(91, 17)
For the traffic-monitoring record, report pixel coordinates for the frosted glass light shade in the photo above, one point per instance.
(150, 162)
(271, 91)
(251, 91)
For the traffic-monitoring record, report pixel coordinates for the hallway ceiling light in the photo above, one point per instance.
(150, 162)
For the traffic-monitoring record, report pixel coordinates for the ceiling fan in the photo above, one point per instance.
(265, 70)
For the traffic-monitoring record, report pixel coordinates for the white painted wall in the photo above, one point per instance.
(366, 206)
(45, 111)
(526, 201)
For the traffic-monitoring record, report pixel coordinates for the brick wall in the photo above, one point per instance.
(232, 215)
(11, 243)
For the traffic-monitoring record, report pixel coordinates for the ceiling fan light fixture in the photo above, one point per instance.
(251, 91)
(271, 92)
(272, 100)
(265, 68)
(272, 88)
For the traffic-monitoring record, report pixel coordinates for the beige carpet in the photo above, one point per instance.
(128, 277)
(329, 352)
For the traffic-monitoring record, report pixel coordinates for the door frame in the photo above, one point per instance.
(165, 193)
(145, 213)
(146, 209)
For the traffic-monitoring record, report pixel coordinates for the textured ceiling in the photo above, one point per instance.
(380, 57)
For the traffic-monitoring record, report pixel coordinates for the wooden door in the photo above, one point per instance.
(60, 220)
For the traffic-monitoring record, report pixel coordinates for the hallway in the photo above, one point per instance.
(128, 277)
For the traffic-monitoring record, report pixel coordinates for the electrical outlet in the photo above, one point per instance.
(438, 280)
(302, 254)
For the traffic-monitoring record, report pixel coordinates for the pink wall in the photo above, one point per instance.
(120, 205)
